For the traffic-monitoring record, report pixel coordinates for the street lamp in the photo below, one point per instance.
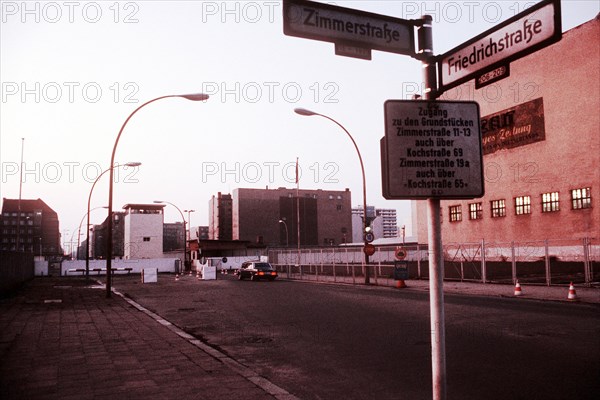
(79, 229)
(87, 242)
(189, 236)
(184, 239)
(287, 237)
(308, 113)
(192, 97)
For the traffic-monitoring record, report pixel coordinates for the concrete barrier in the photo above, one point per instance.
(16, 269)
(98, 267)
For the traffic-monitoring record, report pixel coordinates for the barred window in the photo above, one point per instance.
(581, 198)
(522, 205)
(455, 213)
(498, 208)
(550, 202)
(475, 211)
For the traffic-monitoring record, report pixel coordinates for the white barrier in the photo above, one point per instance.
(223, 263)
(41, 268)
(149, 275)
(98, 267)
(209, 273)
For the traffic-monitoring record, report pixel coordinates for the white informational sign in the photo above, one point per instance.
(529, 31)
(432, 149)
(149, 275)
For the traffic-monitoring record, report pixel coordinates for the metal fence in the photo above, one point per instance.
(544, 262)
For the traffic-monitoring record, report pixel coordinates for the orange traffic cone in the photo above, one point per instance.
(176, 277)
(572, 294)
(518, 291)
(400, 284)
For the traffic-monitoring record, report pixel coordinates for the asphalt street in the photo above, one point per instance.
(321, 341)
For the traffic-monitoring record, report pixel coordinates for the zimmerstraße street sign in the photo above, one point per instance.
(348, 28)
(432, 149)
(523, 34)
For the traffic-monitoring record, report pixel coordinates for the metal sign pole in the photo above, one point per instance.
(436, 261)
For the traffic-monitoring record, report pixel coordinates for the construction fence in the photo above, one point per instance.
(547, 262)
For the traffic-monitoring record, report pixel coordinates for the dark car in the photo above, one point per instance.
(256, 270)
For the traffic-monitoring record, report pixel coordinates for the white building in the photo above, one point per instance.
(384, 223)
(143, 231)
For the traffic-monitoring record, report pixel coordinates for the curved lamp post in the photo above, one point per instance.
(308, 113)
(79, 228)
(87, 242)
(184, 238)
(192, 97)
(287, 237)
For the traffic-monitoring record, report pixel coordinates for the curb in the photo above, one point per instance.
(425, 289)
(247, 373)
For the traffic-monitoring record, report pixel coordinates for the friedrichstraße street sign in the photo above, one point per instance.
(432, 149)
(349, 28)
(525, 33)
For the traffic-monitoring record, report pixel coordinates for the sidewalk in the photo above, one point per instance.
(536, 292)
(61, 339)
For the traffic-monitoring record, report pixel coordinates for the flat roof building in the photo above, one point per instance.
(541, 146)
(143, 231)
(99, 234)
(29, 225)
(325, 216)
(220, 217)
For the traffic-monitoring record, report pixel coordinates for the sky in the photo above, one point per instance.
(73, 72)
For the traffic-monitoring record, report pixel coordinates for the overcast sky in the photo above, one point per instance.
(72, 72)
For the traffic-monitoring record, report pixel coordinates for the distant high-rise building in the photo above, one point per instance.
(325, 216)
(199, 232)
(220, 210)
(173, 236)
(99, 234)
(35, 227)
(382, 221)
(388, 221)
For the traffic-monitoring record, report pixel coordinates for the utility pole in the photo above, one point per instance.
(434, 232)
(20, 192)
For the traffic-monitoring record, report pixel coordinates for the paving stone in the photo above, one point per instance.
(91, 347)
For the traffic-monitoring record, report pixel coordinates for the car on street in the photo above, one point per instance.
(256, 270)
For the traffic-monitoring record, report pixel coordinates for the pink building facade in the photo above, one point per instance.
(541, 142)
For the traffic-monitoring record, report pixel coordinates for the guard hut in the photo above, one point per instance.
(143, 234)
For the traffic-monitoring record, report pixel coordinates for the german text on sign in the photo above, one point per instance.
(319, 21)
(432, 149)
(523, 34)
